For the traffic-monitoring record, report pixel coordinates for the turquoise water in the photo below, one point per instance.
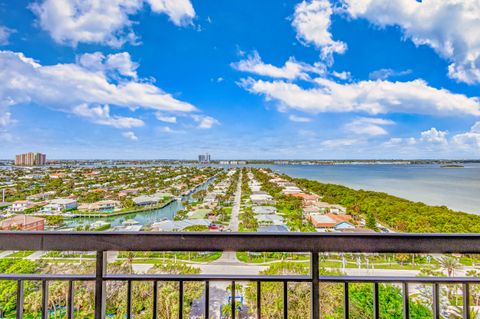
(456, 188)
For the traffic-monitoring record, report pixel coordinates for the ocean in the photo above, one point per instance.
(456, 188)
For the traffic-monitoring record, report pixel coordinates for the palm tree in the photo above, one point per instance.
(450, 264)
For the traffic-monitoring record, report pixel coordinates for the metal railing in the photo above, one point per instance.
(313, 243)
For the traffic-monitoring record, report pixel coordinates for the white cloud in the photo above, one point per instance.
(5, 34)
(101, 115)
(399, 141)
(165, 118)
(450, 27)
(105, 22)
(383, 74)
(342, 142)
(119, 62)
(291, 70)
(312, 23)
(300, 119)
(181, 12)
(5, 121)
(368, 126)
(470, 139)
(434, 136)
(166, 129)
(204, 122)
(5, 118)
(79, 89)
(342, 75)
(372, 97)
(130, 135)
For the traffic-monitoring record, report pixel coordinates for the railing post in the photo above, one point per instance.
(259, 299)
(70, 300)
(100, 286)
(406, 301)
(436, 301)
(155, 299)
(233, 300)
(315, 286)
(466, 301)
(45, 314)
(207, 300)
(19, 299)
(376, 306)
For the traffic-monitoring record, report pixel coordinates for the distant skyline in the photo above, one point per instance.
(319, 79)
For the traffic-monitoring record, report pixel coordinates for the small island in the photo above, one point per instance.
(452, 166)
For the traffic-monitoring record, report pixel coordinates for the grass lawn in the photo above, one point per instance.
(269, 257)
(155, 257)
(20, 254)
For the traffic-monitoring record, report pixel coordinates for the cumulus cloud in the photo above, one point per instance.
(342, 75)
(312, 22)
(434, 136)
(84, 89)
(450, 27)
(372, 97)
(106, 22)
(368, 126)
(300, 119)
(291, 70)
(384, 74)
(429, 139)
(130, 136)
(470, 139)
(101, 115)
(5, 34)
(467, 143)
(120, 63)
(165, 118)
(204, 122)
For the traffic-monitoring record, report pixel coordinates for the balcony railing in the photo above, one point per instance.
(313, 243)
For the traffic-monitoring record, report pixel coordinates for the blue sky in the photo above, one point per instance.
(240, 79)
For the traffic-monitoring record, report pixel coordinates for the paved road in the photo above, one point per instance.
(233, 226)
(218, 297)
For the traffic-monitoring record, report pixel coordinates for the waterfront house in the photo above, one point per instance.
(144, 200)
(59, 205)
(23, 222)
(104, 206)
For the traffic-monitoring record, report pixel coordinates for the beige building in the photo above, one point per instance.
(31, 159)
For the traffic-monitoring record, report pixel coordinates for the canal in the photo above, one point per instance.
(143, 218)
